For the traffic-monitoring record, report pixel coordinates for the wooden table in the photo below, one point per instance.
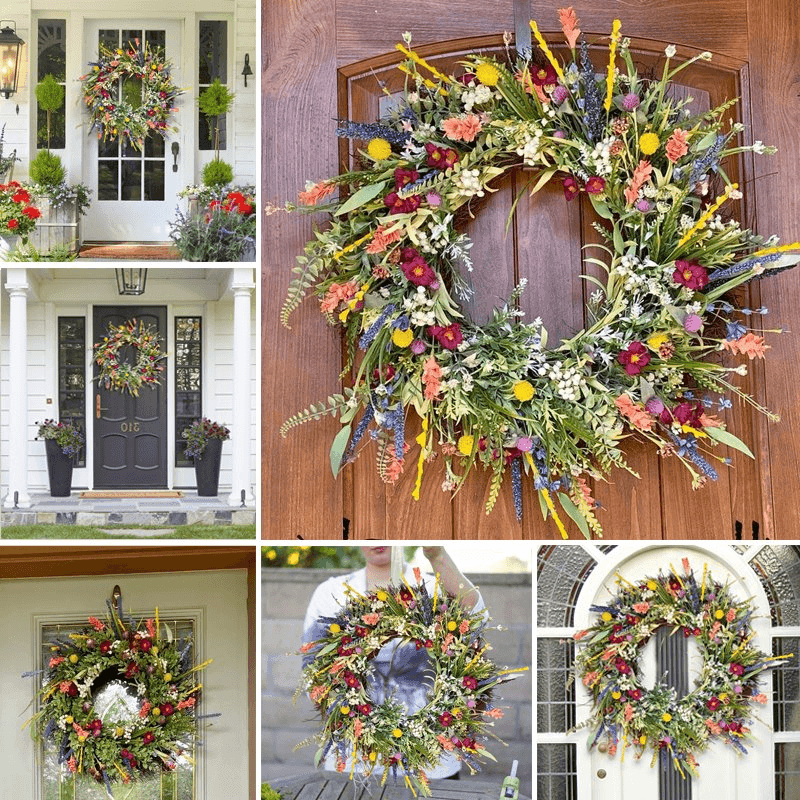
(330, 786)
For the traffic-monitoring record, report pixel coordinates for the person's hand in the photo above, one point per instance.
(434, 554)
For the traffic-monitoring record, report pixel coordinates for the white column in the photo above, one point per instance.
(17, 287)
(241, 425)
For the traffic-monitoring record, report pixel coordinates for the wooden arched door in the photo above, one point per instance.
(323, 65)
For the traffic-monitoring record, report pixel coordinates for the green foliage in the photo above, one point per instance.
(47, 169)
(49, 93)
(217, 173)
(318, 557)
(216, 99)
(268, 793)
(27, 252)
(64, 434)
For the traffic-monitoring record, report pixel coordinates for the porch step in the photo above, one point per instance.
(128, 251)
(100, 519)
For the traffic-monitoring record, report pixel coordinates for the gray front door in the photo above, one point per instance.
(130, 433)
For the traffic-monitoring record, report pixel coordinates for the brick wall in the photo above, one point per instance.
(284, 724)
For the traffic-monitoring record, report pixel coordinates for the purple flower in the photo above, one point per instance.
(631, 101)
(559, 94)
(655, 405)
(692, 323)
(642, 205)
(418, 347)
(524, 444)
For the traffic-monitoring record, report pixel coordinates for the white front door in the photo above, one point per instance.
(214, 603)
(134, 193)
(723, 774)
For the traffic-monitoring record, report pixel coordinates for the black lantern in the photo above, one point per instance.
(246, 71)
(131, 280)
(10, 45)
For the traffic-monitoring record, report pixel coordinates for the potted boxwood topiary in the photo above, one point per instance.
(62, 442)
(204, 440)
(215, 101)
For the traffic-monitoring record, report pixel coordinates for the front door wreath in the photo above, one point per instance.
(119, 374)
(388, 270)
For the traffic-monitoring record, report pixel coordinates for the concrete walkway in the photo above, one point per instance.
(170, 511)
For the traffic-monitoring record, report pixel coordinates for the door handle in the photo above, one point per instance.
(97, 408)
(176, 148)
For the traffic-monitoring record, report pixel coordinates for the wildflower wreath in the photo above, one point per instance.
(122, 376)
(388, 270)
(129, 94)
(131, 736)
(674, 728)
(386, 737)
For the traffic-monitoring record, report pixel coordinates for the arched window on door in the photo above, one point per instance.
(562, 574)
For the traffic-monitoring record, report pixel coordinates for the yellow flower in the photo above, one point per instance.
(335, 628)
(167, 676)
(382, 596)
(719, 614)
(642, 739)
(73, 659)
(465, 444)
(606, 616)
(119, 732)
(649, 143)
(657, 340)
(293, 559)
(723, 696)
(403, 338)
(667, 717)
(487, 74)
(154, 651)
(379, 149)
(156, 712)
(523, 391)
(652, 585)
(397, 733)
(451, 626)
(616, 695)
(271, 555)
(69, 720)
(345, 710)
(373, 756)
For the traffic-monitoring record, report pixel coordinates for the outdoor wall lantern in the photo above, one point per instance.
(246, 71)
(10, 45)
(131, 280)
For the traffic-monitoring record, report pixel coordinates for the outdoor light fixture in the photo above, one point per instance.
(246, 71)
(131, 280)
(10, 45)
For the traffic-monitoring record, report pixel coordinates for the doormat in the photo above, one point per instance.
(122, 493)
(129, 251)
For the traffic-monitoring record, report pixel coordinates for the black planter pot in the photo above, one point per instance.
(206, 469)
(59, 469)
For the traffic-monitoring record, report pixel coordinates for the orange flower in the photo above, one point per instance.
(393, 467)
(304, 648)
(96, 624)
(677, 145)
(710, 422)
(494, 713)
(444, 742)
(145, 709)
(569, 24)
(578, 635)
(372, 618)
(357, 728)
(628, 712)
(589, 678)
(337, 293)
(748, 345)
(462, 129)
(380, 240)
(317, 192)
(463, 627)
(431, 377)
(187, 703)
(56, 660)
(639, 178)
(638, 417)
(447, 642)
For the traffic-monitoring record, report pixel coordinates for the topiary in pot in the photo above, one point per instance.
(50, 95)
(47, 170)
(214, 101)
(217, 173)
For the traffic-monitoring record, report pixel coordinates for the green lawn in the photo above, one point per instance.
(91, 532)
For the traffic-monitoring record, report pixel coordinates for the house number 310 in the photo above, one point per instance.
(132, 427)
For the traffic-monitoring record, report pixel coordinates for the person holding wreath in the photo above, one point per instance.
(401, 671)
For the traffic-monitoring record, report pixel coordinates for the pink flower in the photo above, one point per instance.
(338, 293)
(449, 337)
(445, 719)
(463, 627)
(731, 615)
(419, 272)
(56, 660)
(96, 624)
(543, 75)
(677, 145)
(372, 618)
(641, 608)
(469, 682)
(596, 185)
(571, 187)
(634, 358)
(690, 274)
(638, 417)
(462, 129)
(713, 703)
(402, 177)
(434, 200)
(736, 669)
(440, 157)
(693, 323)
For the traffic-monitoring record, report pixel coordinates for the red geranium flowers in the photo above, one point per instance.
(635, 358)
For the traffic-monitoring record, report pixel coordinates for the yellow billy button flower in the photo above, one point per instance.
(451, 626)
(487, 74)
(156, 712)
(643, 739)
(523, 391)
(397, 733)
(382, 596)
(345, 710)
(168, 677)
(73, 659)
(373, 756)
(69, 720)
(667, 717)
(719, 614)
(649, 143)
(616, 695)
(606, 616)
(119, 732)
(465, 444)
(154, 651)
(403, 338)
(655, 342)
(652, 585)
(335, 628)
(379, 149)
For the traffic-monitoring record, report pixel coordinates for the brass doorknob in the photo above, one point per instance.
(601, 773)
(603, 747)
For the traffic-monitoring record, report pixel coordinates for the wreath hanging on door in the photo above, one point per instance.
(648, 366)
(144, 722)
(129, 94)
(385, 737)
(122, 376)
(626, 714)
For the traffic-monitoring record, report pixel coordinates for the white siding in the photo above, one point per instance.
(17, 133)
(246, 103)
